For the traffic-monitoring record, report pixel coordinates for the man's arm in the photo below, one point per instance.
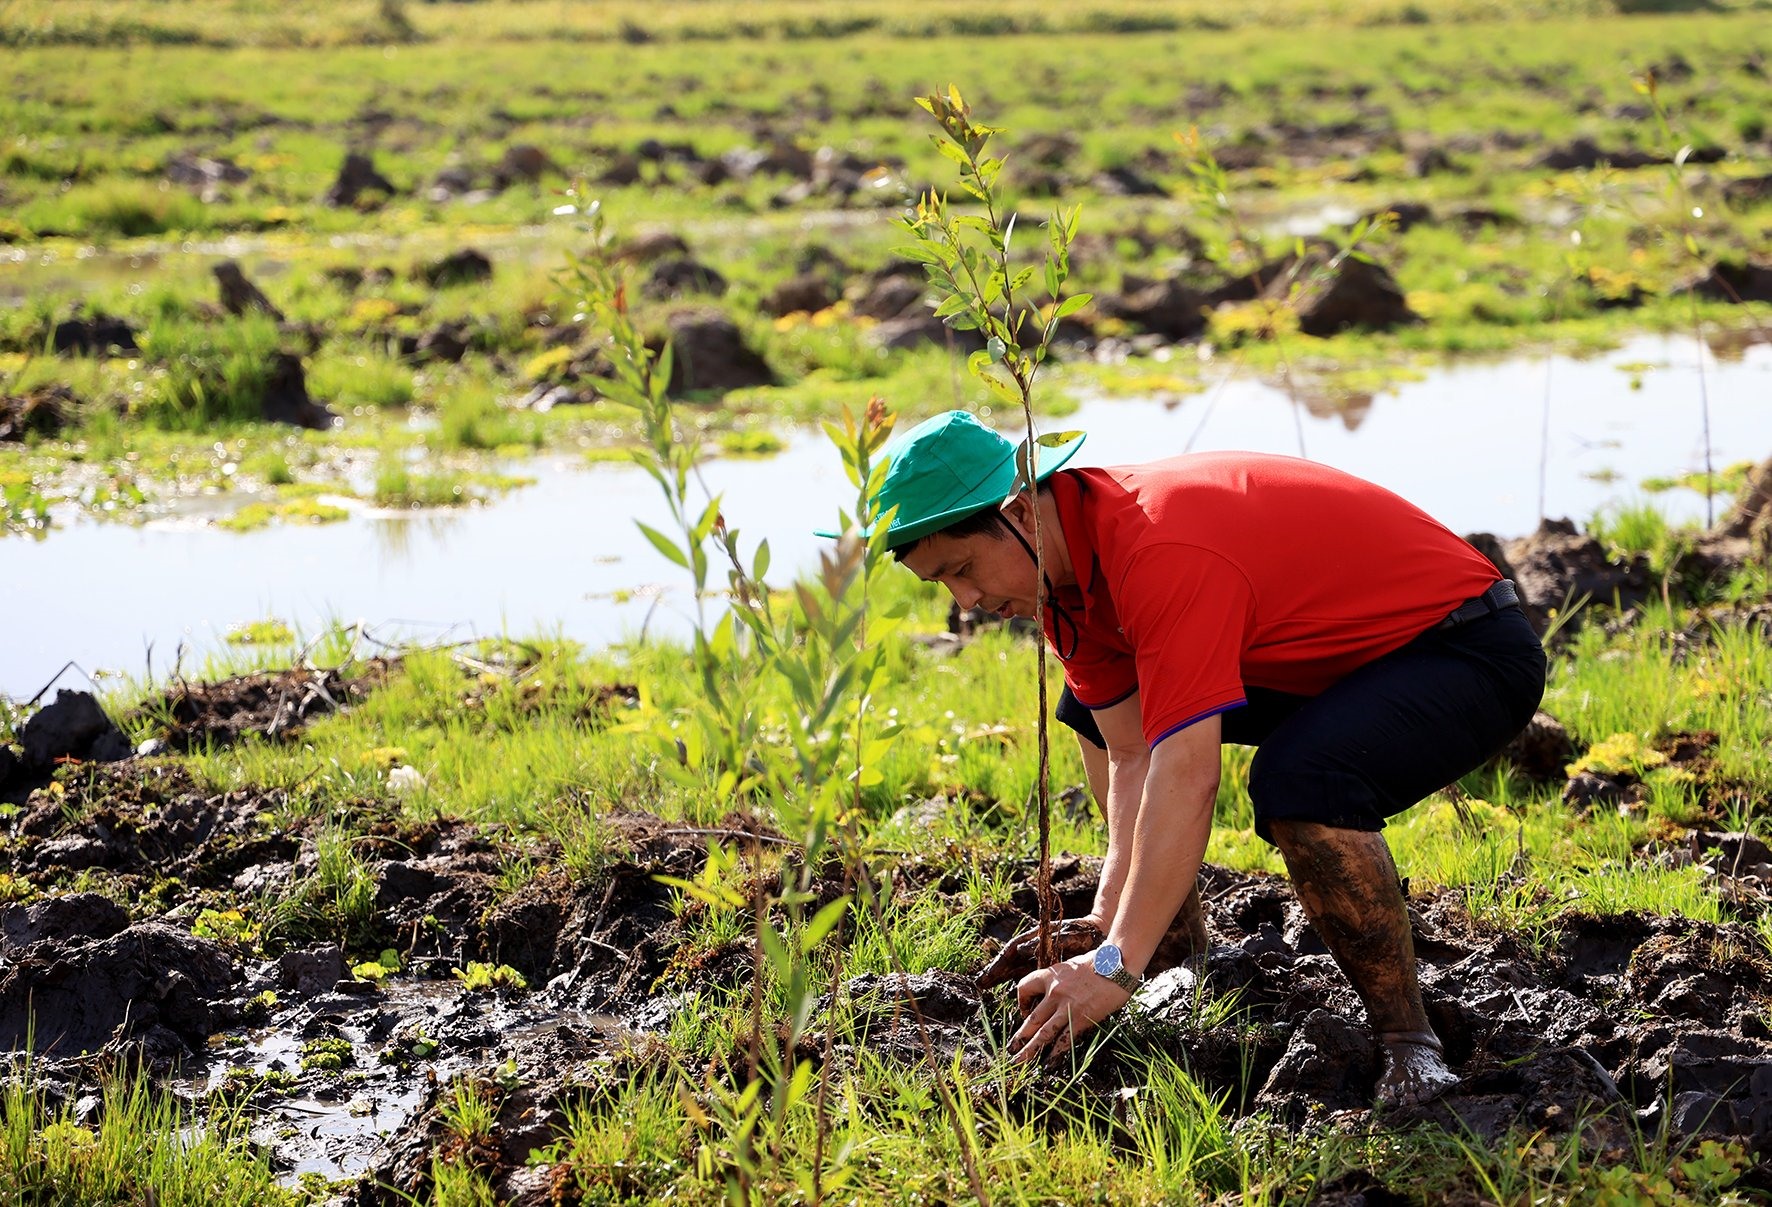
(1168, 840)
(1128, 763)
(1169, 833)
(1124, 762)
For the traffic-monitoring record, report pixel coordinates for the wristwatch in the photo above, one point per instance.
(1108, 962)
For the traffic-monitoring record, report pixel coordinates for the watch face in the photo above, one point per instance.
(1107, 959)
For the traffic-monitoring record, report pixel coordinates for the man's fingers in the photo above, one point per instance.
(1041, 1011)
(1057, 1024)
(1032, 989)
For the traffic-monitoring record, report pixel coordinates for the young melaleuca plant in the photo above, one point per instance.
(967, 259)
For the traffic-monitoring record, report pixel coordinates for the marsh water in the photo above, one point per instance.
(1482, 446)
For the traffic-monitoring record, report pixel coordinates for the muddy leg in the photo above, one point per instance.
(1347, 883)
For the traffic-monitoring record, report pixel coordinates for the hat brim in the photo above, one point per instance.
(1047, 461)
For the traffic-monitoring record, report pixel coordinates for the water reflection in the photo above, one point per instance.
(399, 538)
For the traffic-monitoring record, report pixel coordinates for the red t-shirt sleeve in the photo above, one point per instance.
(1188, 613)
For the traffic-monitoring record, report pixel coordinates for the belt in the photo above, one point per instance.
(1498, 597)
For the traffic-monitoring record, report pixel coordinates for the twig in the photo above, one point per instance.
(717, 832)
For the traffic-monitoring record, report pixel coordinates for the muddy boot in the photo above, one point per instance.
(1347, 883)
(1186, 941)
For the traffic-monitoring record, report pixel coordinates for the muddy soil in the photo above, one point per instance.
(1605, 1023)
(274, 704)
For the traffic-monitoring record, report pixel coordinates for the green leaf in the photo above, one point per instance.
(1071, 305)
(705, 525)
(1057, 439)
(993, 349)
(663, 544)
(823, 922)
(714, 895)
(801, 1082)
(777, 951)
(949, 149)
(922, 253)
(760, 563)
(1052, 281)
(1007, 391)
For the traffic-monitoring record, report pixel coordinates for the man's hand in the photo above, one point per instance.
(1072, 937)
(1061, 1003)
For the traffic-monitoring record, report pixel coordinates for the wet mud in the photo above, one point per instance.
(275, 704)
(1615, 1025)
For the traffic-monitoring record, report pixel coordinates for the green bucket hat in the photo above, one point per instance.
(948, 467)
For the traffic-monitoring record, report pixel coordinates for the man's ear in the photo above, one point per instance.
(1020, 513)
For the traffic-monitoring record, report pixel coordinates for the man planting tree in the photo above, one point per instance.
(1370, 653)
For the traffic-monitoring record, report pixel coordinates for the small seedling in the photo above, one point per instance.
(479, 977)
(328, 1054)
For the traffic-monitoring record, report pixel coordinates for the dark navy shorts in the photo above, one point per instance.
(1388, 734)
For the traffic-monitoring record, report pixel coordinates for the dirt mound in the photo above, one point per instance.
(712, 355)
(1623, 1014)
(1167, 308)
(272, 704)
(95, 335)
(148, 825)
(72, 728)
(358, 183)
(64, 997)
(1351, 293)
(41, 411)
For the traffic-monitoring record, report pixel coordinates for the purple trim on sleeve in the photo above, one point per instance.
(1125, 695)
(1199, 716)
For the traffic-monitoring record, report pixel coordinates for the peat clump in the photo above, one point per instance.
(43, 411)
(150, 982)
(95, 335)
(72, 727)
(271, 704)
(1621, 1015)
(148, 825)
(358, 183)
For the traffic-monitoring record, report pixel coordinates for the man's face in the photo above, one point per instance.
(984, 571)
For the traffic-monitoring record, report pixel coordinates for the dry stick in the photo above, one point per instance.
(1212, 401)
(754, 1055)
(1042, 786)
(821, 1120)
(1710, 482)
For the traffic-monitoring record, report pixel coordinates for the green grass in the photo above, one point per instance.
(103, 119)
(528, 751)
(146, 1147)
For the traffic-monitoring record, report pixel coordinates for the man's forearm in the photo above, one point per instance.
(1168, 843)
(1127, 775)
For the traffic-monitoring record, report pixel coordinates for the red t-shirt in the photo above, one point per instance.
(1203, 573)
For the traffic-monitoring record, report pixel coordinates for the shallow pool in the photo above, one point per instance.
(1471, 443)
